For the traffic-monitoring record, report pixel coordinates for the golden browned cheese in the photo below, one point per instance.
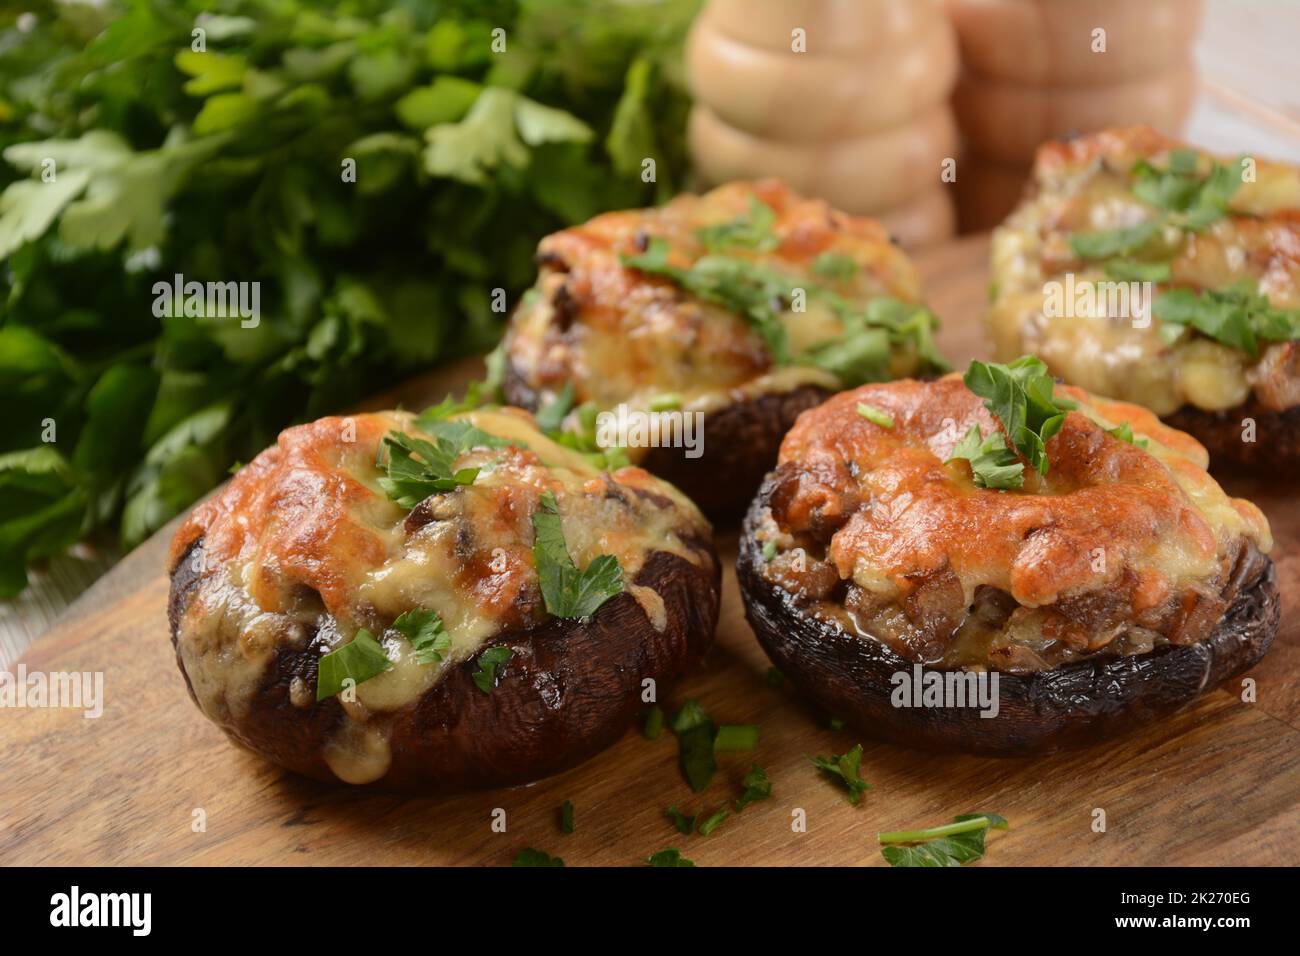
(1085, 186)
(304, 541)
(621, 335)
(1117, 548)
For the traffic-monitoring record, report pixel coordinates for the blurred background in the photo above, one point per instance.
(384, 171)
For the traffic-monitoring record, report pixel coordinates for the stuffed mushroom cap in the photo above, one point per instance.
(871, 549)
(1218, 238)
(325, 540)
(747, 304)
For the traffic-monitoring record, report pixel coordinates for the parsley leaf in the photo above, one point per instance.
(425, 631)
(485, 677)
(713, 821)
(1237, 316)
(695, 732)
(751, 231)
(835, 266)
(1114, 242)
(566, 817)
(531, 857)
(359, 660)
(1124, 432)
(756, 787)
(875, 415)
(654, 722)
(685, 824)
(417, 469)
(992, 463)
(668, 857)
(736, 737)
(568, 592)
(551, 415)
(1129, 270)
(953, 844)
(1020, 395)
(846, 770)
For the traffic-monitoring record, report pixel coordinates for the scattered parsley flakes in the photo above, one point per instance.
(756, 787)
(668, 857)
(735, 737)
(417, 469)
(875, 415)
(426, 634)
(531, 857)
(846, 770)
(713, 821)
(1129, 270)
(1113, 242)
(685, 824)
(953, 844)
(359, 660)
(654, 722)
(566, 817)
(488, 661)
(568, 592)
(750, 231)
(769, 549)
(695, 732)
(551, 415)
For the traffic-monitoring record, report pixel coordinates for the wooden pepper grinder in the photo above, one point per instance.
(1035, 70)
(843, 99)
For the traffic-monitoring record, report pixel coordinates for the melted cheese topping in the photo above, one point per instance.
(1084, 186)
(916, 540)
(304, 541)
(623, 336)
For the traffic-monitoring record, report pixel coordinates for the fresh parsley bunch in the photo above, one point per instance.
(228, 163)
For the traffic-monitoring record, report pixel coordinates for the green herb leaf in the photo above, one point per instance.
(756, 787)
(488, 662)
(654, 722)
(417, 469)
(551, 415)
(846, 770)
(1238, 316)
(1124, 432)
(835, 266)
(1020, 395)
(875, 415)
(566, 817)
(953, 844)
(685, 824)
(695, 732)
(531, 857)
(359, 660)
(992, 464)
(752, 231)
(1114, 242)
(1128, 270)
(424, 629)
(769, 549)
(669, 856)
(736, 737)
(713, 821)
(568, 592)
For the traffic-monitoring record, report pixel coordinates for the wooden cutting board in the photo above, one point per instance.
(1217, 783)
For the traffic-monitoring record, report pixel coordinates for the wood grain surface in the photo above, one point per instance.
(1218, 783)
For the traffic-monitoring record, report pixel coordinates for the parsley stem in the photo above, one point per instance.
(948, 829)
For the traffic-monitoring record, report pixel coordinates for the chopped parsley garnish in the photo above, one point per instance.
(992, 463)
(695, 732)
(713, 821)
(1124, 432)
(1020, 395)
(474, 398)
(426, 634)
(756, 787)
(668, 856)
(1237, 316)
(531, 857)
(875, 415)
(736, 737)
(485, 677)
(760, 294)
(953, 844)
(1129, 270)
(568, 592)
(846, 770)
(750, 231)
(417, 469)
(667, 402)
(654, 722)
(566, 817)
(359, 660)
(1185, 199)
(551, 415)
(835, 266)
(835, 724)
(769, 549)
(685, 824)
